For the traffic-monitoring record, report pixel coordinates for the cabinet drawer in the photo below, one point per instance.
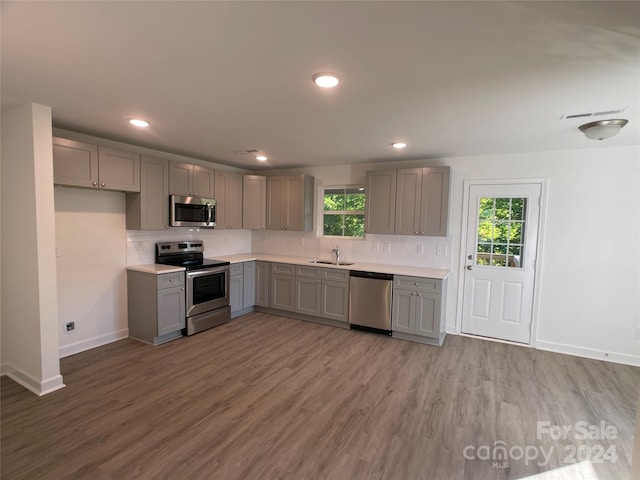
(169, 280)
(418, 284)
(237, 269)
(335, 275)
(308, 272)
(283, 268)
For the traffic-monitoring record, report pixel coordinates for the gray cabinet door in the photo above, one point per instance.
(263, 279)
(403, 316)
(74, 163)
(408, 198)
(180, 179)
(236, 293)
(335, 300)
(380, 207)
(118, 170)
(427, 314)
(171, 310)
(249, 299)
(254, 202)
(275, 203)
(308, 296)
(149, 209)
(434, 210)
(282, 291)
(203, 182)
(228, 194)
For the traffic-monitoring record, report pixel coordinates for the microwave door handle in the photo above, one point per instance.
(208, 213)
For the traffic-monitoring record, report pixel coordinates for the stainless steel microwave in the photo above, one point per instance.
(192, 212)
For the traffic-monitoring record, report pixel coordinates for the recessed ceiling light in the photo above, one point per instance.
(399, 145)
(138, 123)
(326, 80)
(262, 158)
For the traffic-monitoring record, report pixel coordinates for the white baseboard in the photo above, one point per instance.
(567, 349)
(27, 381)
(578, 351)
(94, 342)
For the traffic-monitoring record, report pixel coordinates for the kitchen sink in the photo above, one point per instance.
(331, 262)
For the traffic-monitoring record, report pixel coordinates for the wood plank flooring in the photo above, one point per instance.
(268, 397)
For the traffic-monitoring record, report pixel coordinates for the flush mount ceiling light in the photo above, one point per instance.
(261, 158)
(603, 129)
(138, 123)
(398, 145)
(326, 79)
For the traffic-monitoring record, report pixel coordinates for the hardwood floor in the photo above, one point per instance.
(267, 397)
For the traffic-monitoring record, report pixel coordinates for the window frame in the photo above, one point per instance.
(324, 212)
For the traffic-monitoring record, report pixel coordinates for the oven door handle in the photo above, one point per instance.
(209, 271)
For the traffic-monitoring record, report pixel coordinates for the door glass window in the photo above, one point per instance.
(501, 223)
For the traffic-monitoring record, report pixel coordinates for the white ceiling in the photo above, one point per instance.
(449, 78)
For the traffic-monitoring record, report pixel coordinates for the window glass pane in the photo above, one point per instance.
(501, 232)
(354, 225)
(485, 231)
(499, 249)
(334, 199)
(516, 233)
(502, 208)
(484, 248)
(332, 224)
(517, 208)
(485, 212)
(499, 260)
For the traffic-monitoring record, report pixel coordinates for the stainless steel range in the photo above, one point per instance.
(207, 281)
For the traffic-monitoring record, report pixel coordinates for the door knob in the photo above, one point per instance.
(470, 257)
(469, 267)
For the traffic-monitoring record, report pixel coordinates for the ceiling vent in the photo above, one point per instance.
(592, 114)
(245, 152)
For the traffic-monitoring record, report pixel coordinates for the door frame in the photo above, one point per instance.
(466, 187)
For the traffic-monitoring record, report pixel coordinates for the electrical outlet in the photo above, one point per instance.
(387, 247)
(638, 333)
(70, 327)
(419, 249)
(440, 250)
(301, 242)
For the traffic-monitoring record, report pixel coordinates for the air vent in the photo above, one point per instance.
(592, 114)
(244, 152)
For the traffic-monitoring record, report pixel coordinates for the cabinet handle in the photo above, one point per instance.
(102, 184)
(182, 288)
(416, 284)
(421, 233)
(195, 194)
(171, 279)
(419, 294)
(415, 233)
(95, 184)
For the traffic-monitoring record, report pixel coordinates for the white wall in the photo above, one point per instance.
(29, 306)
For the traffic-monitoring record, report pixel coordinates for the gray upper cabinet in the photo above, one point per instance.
(149, 209)
(254, 202)
(290, 203)
(380, 206)
(228, 190)
(191, 180)
(80, 164)
(412, 201)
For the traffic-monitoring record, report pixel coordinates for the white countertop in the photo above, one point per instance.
(155, 268)
(363, 266)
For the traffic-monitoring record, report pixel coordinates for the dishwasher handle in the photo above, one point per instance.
(372, 275)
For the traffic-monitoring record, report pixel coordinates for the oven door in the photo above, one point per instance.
(207, 290)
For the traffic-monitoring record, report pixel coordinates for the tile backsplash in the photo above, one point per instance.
(428, 252)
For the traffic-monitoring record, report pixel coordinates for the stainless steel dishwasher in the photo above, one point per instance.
(370, 301)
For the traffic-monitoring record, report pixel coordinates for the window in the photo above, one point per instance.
(501, 224)
(343, 212)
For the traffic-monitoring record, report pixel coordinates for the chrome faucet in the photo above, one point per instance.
(337, 252)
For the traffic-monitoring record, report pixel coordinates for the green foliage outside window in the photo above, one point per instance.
(343, 212)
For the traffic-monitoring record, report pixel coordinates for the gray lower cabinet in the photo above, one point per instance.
(418, 310)
(335, 295)
(242, 297)
(282, 287)
(156, 306)
(308, 290)
(263, 280)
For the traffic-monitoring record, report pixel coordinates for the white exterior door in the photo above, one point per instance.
(499, 268)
